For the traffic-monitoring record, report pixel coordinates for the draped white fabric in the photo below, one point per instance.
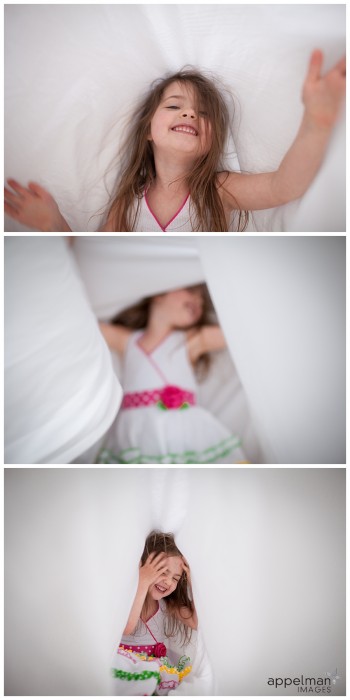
(280, 301)
(61, 394)
(267, 554)
(74, 72)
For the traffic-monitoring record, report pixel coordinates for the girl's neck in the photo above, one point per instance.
(152, 337)
(171, 176)
(149, 609)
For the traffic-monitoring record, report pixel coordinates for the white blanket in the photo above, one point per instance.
(74, 72)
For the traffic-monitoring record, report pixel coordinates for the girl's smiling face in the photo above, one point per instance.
(180, 122)
(167, 583)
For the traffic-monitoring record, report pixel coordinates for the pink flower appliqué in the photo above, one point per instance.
(159, 650)
(172, 397)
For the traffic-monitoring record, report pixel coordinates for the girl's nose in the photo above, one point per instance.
(189, 113)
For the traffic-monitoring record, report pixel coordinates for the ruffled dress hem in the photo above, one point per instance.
(211, 454)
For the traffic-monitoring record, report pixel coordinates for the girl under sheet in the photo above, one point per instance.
(171, 175)
(164, 342)
(153, 654)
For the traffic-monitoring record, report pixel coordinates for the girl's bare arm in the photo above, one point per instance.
(149, 573)
(206, 339)
(323, 98)
(115, 336)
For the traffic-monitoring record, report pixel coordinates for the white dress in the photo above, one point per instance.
(147, 221)
(149, 663)
(159, 421)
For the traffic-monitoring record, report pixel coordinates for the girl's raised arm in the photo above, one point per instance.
(323, 97)
(34, 207)
(206, 339)
(115, 336)
(149, 573)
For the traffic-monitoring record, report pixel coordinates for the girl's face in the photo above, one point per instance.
(177, 125)
(182, 308)
(167, 583)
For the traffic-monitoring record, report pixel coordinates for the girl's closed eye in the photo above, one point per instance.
(173, 107)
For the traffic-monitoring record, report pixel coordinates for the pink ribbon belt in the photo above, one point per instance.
(169, 397)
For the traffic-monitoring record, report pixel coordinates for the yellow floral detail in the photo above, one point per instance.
(185, 672)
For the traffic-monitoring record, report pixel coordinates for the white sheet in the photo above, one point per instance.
(60, 391)
(281, 304)
(266, 549)
(73, 72)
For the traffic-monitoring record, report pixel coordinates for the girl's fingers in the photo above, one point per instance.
(159, 557)
(37, 189)
(22, 191)
(10, 210)
(341, 66)
(315, 66)
(12, 197)
(150, 557)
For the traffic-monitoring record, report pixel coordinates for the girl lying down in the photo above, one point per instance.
(164, 342)
(158, 645)
(171, 178)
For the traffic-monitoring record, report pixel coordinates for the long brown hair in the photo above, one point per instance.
(136, 318)
(179, 599)
(137, 166)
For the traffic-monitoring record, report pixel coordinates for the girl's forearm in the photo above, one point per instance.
(136, 609)
(302, 161)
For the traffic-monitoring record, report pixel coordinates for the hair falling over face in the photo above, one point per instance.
(136, 318)
(179, 599)
(137, 166)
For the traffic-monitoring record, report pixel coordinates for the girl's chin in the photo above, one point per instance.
(157, 593)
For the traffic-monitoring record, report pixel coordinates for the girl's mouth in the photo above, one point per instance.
(185, 129)
(160, 589)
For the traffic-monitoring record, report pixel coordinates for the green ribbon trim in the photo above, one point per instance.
(183, 661)
(133, 456)
(143, 676)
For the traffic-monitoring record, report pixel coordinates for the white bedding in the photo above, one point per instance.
(73, 72)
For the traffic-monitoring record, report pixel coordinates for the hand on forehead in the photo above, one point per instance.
(174, 564)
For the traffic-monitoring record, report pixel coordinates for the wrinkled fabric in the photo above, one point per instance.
(74, 72)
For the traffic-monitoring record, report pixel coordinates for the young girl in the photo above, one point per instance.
(160, 630)
(160, 421)
(171, 174)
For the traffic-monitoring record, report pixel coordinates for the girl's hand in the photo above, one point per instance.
(153, 569)
(34, 207)
(323, 96)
